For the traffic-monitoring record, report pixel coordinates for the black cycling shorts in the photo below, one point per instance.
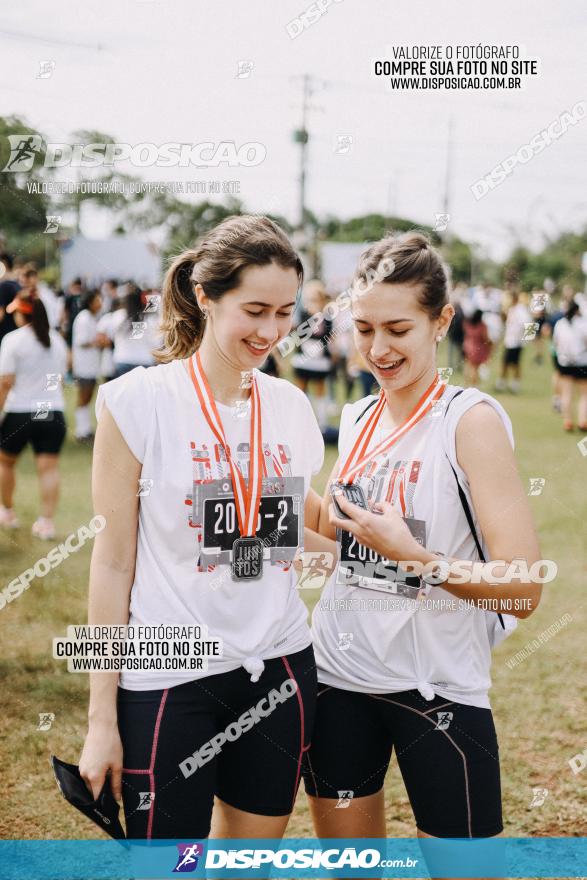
(447, 754)
(46, 436)
(256, 769)
(511, 356)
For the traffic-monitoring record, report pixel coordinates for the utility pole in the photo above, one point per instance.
(302, 137)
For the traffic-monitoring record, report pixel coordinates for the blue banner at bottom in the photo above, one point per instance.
(555, 857)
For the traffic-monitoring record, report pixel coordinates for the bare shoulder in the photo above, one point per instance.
(481, 434)
(111, 450)
(480, 417)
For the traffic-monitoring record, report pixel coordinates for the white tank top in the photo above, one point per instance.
(370, 641)
(158, 414)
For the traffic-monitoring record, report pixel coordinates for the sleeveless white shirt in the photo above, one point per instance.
(366, 640)
(158, 414)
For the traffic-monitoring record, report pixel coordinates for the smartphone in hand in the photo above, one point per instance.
(354, 494)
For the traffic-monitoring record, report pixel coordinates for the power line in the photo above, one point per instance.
(32, 38)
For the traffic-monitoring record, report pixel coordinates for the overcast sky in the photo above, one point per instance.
(155, 71)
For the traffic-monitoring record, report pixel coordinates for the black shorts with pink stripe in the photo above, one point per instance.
(447, 754)
(221, 735)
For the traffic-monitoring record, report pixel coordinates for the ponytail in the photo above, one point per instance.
(182, 322)
(40, 323)
(572, 310)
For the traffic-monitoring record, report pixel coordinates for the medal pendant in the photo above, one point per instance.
(247, 559)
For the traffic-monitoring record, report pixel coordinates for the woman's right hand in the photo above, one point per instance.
(102, 752)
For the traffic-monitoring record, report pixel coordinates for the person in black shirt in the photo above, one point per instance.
(9, 287)
(71, 308)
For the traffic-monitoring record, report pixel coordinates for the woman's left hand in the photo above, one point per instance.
(384, 532)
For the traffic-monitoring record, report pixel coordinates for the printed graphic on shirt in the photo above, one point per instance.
(213, 515)
(363, 567)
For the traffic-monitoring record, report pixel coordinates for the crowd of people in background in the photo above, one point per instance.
(79, 335)
(485, 318)
(85, 334)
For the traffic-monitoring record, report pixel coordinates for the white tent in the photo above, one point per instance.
(121, 257)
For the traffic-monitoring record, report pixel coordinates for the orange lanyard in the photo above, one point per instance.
(247, 498)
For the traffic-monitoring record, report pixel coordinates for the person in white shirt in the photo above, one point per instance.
(132, 332)
(400, 668)
(110, 296)
(313, 362)
(223, 455)
(570, 344)
(33, 361)
(86, 355)
(517, 320)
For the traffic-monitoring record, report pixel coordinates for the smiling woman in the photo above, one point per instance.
(434, 465)
(228, 453)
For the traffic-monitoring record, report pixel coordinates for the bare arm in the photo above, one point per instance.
(485, 454)
(6, 383)
(115, 476)
(324, 525)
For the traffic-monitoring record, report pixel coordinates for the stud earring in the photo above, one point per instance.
(439, 338)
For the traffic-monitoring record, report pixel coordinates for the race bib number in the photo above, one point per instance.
(277, 522)
(279, 526)
(360, 566)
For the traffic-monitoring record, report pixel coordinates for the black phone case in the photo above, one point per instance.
(103, 811)
(359, 495)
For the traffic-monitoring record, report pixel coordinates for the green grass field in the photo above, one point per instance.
(539, 705)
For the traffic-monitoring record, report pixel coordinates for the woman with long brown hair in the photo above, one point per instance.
(223, 455)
